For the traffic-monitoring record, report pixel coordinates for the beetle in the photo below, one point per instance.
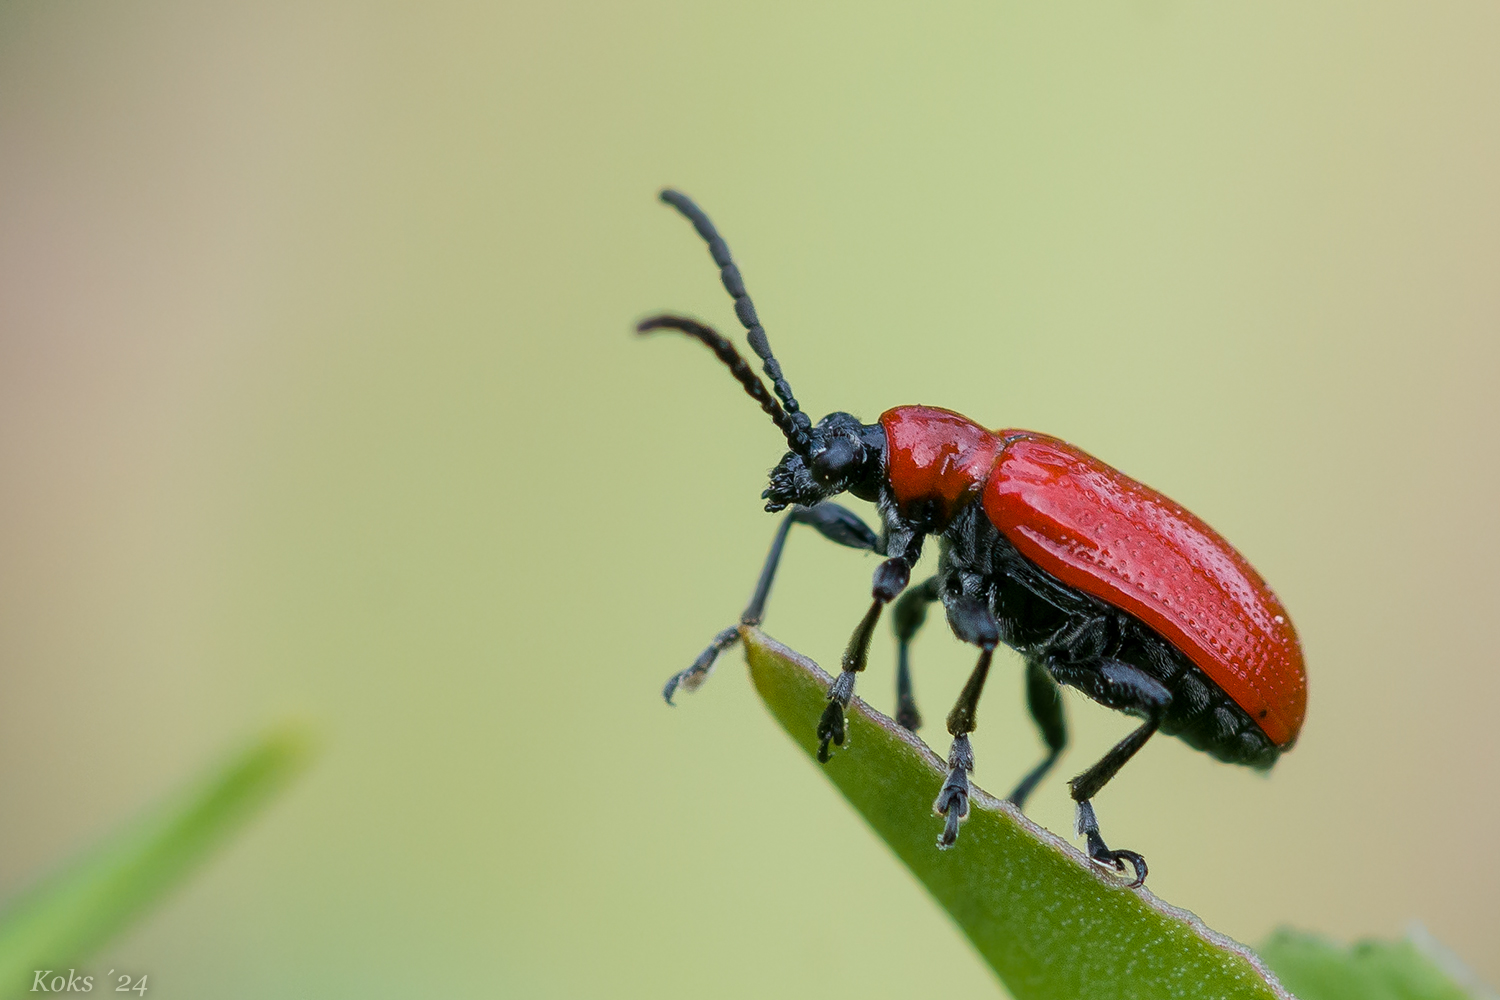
(1100, 583)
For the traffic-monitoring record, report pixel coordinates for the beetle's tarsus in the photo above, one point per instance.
(693, 677)
(831, 725)
(953, 798)
(1099, 852)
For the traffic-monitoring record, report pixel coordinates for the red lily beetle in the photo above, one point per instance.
(1100, 582)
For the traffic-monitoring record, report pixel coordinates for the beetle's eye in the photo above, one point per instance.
(833, 462)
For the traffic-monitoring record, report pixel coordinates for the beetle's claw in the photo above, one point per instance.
(671, 687)
(1117, 859)
(830, 728)
(953, 805)
(689, 680)
(1099, 852)
(693, 677)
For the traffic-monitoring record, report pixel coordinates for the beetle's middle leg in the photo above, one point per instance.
(906, 617)
(834, 523)
(973, 622)
(1044, 699)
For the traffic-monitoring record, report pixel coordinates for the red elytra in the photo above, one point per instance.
(1103, 533)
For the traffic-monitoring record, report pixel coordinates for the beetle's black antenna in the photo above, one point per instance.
(745, 309)
(738, 367)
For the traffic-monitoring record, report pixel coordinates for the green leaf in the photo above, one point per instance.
(1051, 924)
(1368, 970)
(65, 917)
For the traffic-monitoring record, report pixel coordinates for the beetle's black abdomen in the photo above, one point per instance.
(1072, 634)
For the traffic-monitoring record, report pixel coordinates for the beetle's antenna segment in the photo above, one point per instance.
(798, 436)
(738, 367)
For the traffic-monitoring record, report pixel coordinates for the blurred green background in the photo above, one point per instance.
(317, 396)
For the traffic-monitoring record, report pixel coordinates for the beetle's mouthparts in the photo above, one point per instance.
(790, 483)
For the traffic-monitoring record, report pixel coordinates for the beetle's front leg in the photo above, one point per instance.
(834, 523)
(891, 578)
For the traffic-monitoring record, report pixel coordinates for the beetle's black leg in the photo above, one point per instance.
(1044, 698)
(1088, 828)
(973, 622)
(1122, 686)
(834, 523)
(906, 617)
(891, 578)
(693, 677)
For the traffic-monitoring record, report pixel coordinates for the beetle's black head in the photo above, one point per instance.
(838, 454)
(842, 455)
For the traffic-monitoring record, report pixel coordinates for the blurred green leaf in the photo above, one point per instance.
(1317, 969)
(64, 918)
(1051, 925)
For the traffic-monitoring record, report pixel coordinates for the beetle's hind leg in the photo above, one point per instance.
(906, 618)
(1044, 699)
(833, 522)
(1121, 686)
